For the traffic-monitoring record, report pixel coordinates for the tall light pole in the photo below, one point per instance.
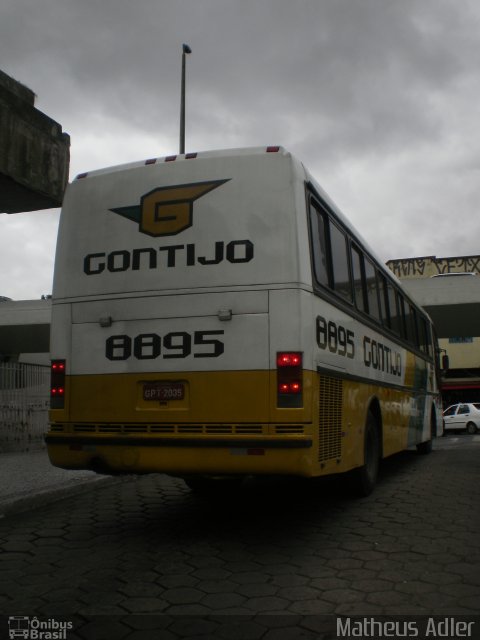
(186, 50)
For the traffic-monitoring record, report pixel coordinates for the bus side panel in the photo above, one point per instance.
(368, 369)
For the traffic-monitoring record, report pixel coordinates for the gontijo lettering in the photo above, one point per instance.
(187, 255)
(380, 357)
(339, 340)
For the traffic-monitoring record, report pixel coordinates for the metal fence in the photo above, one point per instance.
(24, 402)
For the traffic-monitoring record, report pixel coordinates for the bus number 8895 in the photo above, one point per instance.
(177, 344)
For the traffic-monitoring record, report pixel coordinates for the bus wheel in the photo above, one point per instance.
(364, 478)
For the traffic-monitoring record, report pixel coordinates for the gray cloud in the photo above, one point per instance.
(378, 97)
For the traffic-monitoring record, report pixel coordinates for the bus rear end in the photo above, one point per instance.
(176, 326)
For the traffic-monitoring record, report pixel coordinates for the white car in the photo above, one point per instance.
(463, 416)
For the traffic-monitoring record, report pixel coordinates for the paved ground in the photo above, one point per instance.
(28, 480)
(274, 561)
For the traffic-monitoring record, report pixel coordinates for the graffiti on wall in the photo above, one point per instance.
(432, 266)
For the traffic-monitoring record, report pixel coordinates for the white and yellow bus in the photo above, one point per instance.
(216, 316)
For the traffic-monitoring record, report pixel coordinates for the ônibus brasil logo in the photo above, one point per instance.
(166, 211)
(34, 629)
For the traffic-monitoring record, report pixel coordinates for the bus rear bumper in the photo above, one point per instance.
(182, 456)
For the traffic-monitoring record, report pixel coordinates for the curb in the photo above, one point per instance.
(49, 496)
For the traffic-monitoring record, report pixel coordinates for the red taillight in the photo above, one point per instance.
(289, 379)
(289, 359)
(57, 384)
(273, 149)
(290, 387)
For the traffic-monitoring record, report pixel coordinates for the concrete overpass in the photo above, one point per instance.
(452, 301)
(34, 152)
(24, 327)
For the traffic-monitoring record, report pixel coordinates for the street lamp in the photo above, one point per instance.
(186, 50)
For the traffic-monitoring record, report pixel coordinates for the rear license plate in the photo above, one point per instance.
(163, 391)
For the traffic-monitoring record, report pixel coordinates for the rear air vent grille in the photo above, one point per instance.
(190, 428)
(289, 429)
(248, 429)
(330, 418)
(219, 429)
(179, 429)
(82, 428)
(162, 428)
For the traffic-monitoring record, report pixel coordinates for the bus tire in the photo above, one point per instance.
(364, 478)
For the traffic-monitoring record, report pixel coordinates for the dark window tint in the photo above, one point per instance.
(341, 273)
(394, 311)
(382, 293)
(451, 411)
(411, 324)
(401, 308)
(372, 293)
(319, 245)
(358, 288)
(424, 335)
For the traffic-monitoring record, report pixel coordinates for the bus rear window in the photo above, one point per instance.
(330, 253)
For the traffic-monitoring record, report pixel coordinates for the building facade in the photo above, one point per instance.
(461, 383)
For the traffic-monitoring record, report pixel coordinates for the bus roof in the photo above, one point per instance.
(216, 153)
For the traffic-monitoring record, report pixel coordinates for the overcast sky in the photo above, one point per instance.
(379, 98)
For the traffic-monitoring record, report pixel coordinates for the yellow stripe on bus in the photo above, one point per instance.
(104, 409)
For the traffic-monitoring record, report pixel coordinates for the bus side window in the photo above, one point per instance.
(319, 245)
(372, 290)
(382, 297)
(428, 339)
(393, 311)
(422, 334)
(403, 316)
(358, 279)
(341, 271)
(408, 322)
(414, 327)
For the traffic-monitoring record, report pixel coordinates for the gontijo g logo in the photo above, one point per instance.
(166, 211)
